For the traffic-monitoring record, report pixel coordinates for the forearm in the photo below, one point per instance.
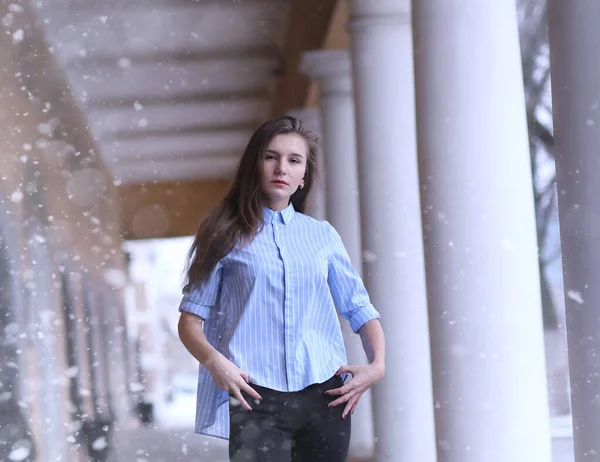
(193, 338)
(373, 340)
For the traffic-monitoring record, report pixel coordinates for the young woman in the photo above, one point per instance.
(259, 312)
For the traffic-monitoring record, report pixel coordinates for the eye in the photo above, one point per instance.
(295, 160)
(269, 156)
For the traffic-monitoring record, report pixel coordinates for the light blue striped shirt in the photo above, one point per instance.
(270, 307)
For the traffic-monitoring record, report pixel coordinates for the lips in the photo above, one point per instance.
(280, 182)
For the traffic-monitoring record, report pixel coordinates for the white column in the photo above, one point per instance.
(332, 70)
(480, 234)
(574, 37)
(316, 206)
(381, 39)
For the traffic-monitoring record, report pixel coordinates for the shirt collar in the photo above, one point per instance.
(285, 215)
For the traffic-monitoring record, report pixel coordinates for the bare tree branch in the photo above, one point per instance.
(533, 32)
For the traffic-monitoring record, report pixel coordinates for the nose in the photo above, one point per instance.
(280, 167)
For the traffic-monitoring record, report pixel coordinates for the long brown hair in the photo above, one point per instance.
(239, 216)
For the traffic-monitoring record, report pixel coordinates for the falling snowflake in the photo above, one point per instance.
(18, 36)
(45, 129)
(100, 444)
(369, 256)
(72, 372)
(7, 20)
(13, 7)
(16, 196)
(575, 296)
(115, 277)
(135, 387)
(124, 63)
(21, 451)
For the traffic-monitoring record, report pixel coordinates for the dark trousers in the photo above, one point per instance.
(290, 426)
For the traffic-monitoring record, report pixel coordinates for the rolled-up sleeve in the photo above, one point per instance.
(201, 299)
(347, 289)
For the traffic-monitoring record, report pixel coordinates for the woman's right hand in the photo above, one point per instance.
(230, 378)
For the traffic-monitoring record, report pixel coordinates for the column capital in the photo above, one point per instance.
(311, 116)
(325, 63)
(332, 68)
(365, 13)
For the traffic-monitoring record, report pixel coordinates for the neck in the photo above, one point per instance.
(276, 206)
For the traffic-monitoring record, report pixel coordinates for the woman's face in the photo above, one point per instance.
(282, 169)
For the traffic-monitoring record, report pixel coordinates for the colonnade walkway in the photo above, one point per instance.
(171, 439)
(181, 445)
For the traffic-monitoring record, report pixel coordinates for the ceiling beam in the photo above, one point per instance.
(308, 26)
(171, 209)
(127, 134)
(177, 57)
(180, 169)
(175, 145)
(137, 120)
(183, 98)
(214, 76)
(112, 6)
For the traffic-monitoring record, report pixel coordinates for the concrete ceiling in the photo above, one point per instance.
(171, 89)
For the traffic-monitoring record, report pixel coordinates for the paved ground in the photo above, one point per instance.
(562, 450)
(174, 441)
(148, 445)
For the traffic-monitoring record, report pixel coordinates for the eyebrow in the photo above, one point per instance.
(294, 154)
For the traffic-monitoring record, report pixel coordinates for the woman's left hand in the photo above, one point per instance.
(363, 377)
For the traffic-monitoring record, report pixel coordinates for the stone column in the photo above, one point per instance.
(332, 70)
(382, 57)
(317, 202)
(574, 37)
(480, 234)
